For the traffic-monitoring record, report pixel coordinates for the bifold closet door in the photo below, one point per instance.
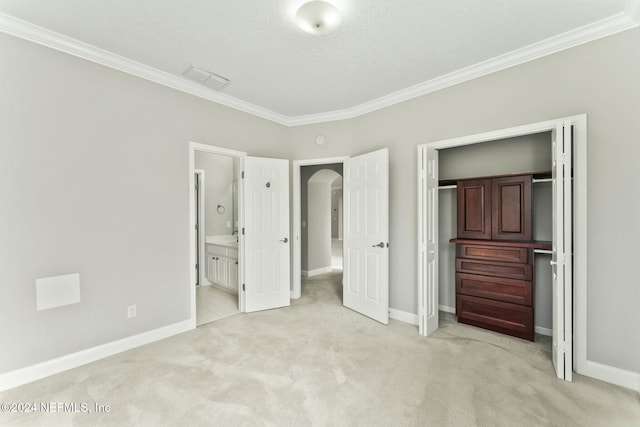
(561, 258)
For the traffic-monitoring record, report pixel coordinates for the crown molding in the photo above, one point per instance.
(622, 21)
(25, 30)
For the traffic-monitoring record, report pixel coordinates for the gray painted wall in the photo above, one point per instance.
(218, 190)
(94, 180)
(598, 78)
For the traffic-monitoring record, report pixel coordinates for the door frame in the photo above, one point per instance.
(205, 148)
(296, 228)
(200, 173)
(579, 123)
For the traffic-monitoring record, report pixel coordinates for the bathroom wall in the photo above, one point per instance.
(218, 191)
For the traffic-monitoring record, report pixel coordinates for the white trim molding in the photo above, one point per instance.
(447, 309)
(622, 21)
(317, 271)
(64, 363)
(609, 374)
(31, 32)
(403, 316)
(543, 331)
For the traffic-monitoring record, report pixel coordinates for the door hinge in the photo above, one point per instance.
(563, 159)
(243, 231)
(563, 347)
(243, 287)
(242, 175)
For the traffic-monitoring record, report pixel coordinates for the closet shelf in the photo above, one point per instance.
(533, 244)
(544, 176)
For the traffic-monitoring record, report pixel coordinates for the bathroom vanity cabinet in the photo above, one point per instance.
(222, 267)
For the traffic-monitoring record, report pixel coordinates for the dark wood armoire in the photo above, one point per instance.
(494, 254)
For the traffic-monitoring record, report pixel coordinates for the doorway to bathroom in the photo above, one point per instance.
(255, 260)
(216, 235)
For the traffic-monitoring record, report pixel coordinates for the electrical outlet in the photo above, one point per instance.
(131, 311)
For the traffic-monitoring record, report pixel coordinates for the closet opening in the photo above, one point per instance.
(558, 214)
(505, 269)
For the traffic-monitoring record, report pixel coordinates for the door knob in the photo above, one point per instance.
(285, 240)
(379, 245)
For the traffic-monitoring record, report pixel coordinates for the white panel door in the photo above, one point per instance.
(561, 259)
(266, 234)
(366, 235)
(428, 250)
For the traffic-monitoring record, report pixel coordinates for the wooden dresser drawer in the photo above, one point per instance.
(509, 270)
(511, 319)
(494, 253)
(496, 288)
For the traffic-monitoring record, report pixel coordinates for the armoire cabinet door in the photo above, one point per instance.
(474, 209)
(511, 205)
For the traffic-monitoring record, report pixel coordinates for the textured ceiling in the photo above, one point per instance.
(381, 47)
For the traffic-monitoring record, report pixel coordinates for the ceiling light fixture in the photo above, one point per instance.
(318, 17)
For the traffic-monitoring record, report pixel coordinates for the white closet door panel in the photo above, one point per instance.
(428, 245)
(561, 259)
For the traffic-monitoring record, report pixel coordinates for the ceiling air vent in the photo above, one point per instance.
(207, 78)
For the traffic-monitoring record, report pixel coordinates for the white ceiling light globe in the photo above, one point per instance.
(318, 17)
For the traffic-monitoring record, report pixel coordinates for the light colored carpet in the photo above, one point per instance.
(319, 364)
(214, 304)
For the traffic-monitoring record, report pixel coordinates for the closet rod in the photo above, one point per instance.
(535, 181)
(542, 251)
(447, 187)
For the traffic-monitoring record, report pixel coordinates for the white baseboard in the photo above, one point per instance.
(317, 271)
(447, 309)
(617, 376)
(63, 363)
(403, 316)
(543, 331)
